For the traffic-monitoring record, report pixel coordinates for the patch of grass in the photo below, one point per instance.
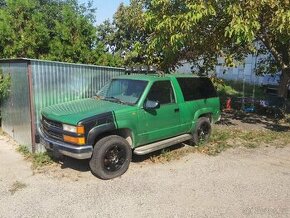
(238, 87)
(41, 159)
(167, 155)
(22, 149)
(225, 138)
(220, 135)
(251, 145)
(235, 89)
(16, 186)
(38, 159)
(224, 89)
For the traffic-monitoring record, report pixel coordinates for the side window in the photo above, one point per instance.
(161, 91)
(196, 88)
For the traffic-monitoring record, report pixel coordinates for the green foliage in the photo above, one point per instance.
(165, 32)
(212, 27)
(52, 30)
(5, 82)
(23, 150)
(38, 159)
(226, 90)
(235, 88)
(224, 138)
(126, 36)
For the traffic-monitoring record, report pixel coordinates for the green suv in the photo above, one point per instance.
(132, 113)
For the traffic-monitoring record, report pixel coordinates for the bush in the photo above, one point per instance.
(5, 82)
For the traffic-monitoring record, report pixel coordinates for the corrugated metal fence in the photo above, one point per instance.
(15, 111)
(56, 82)
(37, 84)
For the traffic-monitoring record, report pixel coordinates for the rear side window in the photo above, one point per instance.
(196, 88)
(161, 91)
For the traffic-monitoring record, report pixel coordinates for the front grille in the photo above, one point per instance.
(51, 123)
(53, 134)
(52, 128)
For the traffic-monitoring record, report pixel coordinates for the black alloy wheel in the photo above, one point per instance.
(111, 157)
(114, 158)
(202, 131)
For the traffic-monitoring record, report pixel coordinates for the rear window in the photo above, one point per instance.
(196, 88)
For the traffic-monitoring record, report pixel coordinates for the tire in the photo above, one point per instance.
(202, 131)
(111, 157)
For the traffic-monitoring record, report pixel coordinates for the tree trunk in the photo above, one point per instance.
(284, 83)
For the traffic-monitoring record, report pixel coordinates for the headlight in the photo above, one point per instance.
(74, 129)
(69, 128)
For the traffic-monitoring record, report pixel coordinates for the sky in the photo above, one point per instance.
(105, 8)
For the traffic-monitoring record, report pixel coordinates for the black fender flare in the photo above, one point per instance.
(98, 130)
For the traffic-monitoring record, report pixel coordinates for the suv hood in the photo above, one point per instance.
(74, 111)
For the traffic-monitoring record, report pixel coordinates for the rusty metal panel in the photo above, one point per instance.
(16, 108)
(57, 82)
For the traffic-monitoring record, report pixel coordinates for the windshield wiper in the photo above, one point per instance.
(97, 97)
(114, 99)
(117, 100)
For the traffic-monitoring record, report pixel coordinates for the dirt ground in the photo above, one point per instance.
(239, 182)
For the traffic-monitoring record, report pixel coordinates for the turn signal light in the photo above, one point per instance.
(80, 130)
(74, 140)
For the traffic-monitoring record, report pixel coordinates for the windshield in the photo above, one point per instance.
(126, 91)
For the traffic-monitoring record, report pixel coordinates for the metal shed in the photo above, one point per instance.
(36, 84)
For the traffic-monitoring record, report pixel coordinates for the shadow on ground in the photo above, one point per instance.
(83, 165)
(78, 165)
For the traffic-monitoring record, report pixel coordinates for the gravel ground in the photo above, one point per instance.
(236, 183)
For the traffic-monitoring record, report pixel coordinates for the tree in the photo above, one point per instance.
(52, 30)
(200, 31)
(2, 3)
(22, 30)
(127, 34)
(75, 38)
(5, 82)
(267, 22)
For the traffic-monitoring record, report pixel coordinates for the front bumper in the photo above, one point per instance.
(78, 152)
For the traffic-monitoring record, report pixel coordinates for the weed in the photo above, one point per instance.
(223, 139)
(16, 186)
(251, 145)
(38, 159)
(23, 150)
(220, 135)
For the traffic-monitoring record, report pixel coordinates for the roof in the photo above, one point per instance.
(156, 77)
(29, 60)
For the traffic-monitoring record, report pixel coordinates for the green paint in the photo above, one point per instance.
(171, 119)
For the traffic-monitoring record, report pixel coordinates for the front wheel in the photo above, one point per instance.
(111, 157)
(202, 131)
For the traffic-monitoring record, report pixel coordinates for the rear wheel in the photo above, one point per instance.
(111, 157)
(202, 131)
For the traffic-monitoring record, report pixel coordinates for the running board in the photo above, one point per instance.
(161, 144)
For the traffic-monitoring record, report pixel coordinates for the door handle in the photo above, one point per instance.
(176, 110)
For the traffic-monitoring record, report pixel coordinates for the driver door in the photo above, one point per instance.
(160, 123)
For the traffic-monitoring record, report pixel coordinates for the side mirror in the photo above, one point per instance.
(149, 105)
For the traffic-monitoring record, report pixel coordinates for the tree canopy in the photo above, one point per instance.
(199, 31)
(127, 33)
(166, 32)
(52, 30)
